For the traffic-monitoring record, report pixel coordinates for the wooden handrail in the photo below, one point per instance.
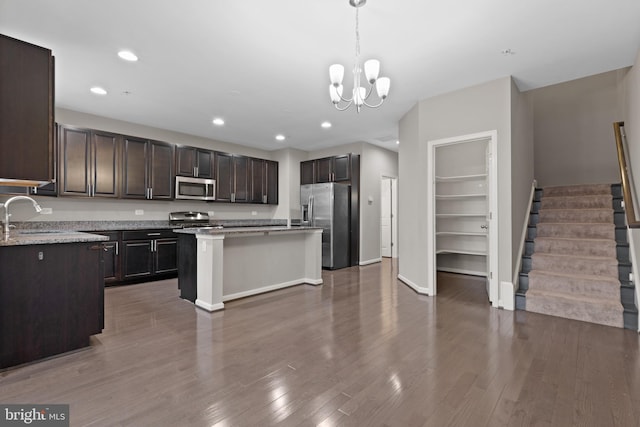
(627, 194)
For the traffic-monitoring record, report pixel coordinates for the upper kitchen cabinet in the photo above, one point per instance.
(328, 169)
(148, 171)
(307, 172)
(333, 169)
(232, 178)
(26, 112)
(88, 162)
(195, 162)
(263, 177)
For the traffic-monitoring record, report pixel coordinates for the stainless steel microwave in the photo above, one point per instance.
(195, 188)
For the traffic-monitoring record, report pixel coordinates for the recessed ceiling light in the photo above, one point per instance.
(397, 142)
(280, 137)
(218, 121)
(98, 90)
(127, 55)
(326, 125)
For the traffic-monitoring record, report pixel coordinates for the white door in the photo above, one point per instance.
(385, 218)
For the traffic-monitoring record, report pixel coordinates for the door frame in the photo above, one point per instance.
(492, 274)
(394, 214)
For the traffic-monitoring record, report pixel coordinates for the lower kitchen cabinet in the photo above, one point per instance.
(149, 254)
(51, 299)
(111, 256)
(133, 256)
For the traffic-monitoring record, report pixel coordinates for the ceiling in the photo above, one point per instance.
(263, 65)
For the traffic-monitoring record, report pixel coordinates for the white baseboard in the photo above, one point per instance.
(418, 289)
(209, 307)
(270, 288)
(507, 296)
(371, 261)
(463, 271)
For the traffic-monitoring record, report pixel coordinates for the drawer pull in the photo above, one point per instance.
(153, 234)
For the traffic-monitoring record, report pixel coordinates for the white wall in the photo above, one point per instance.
(522, 166)
(375, 163)
(573, 131)
(289, 182)
(476, 109)
(631, 117)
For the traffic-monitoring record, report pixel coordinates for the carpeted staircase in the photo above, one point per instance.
(571, 267)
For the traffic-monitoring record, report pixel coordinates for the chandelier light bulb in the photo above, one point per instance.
(382, 87)
(335, 93)
(359, 95)
(372, 70)
(336, 74)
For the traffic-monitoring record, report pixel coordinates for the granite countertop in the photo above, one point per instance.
(31, 237)
(244, 230)
(49, 226)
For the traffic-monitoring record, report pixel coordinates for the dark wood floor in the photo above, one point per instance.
(361, 350)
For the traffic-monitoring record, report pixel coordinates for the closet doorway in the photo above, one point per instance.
(462, 209)
(388, 217)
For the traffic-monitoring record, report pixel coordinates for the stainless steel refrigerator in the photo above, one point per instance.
(327, 206)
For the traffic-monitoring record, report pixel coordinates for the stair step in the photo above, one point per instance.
(576, 265)
(599, 215)
(605, 312)
(577, 190)
(577, 230)
(580, 247)
(578, 284)
(577, 202)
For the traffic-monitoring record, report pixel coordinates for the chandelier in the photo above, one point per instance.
(360, 95)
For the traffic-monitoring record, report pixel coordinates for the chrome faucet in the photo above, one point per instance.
(6, 209)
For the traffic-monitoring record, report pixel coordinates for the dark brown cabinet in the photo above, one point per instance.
(327, 169)
(149, 253)
(263, 178)
(232, 178)
(195, 162)
(53, 306)
(307, 172)
(333, 169)
(88, 163)
(26, 111)
(111, 256)
(148, 171)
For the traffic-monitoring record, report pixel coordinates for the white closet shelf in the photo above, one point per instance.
(460, 177)
(460, 252)
(461, 196)
(461, 233)
(462, 215)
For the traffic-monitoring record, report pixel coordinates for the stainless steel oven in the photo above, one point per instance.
(195, 188)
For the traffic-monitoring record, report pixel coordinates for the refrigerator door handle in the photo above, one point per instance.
(311, 218)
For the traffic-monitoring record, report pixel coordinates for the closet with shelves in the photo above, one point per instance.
(461, 209)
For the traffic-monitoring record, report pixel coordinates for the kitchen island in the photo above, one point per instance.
(51, 294)
(221, 264)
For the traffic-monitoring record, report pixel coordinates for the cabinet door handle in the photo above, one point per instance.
(264, 198)
(195, 171)
(117, 248)
(151, 193)
(233, 197)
